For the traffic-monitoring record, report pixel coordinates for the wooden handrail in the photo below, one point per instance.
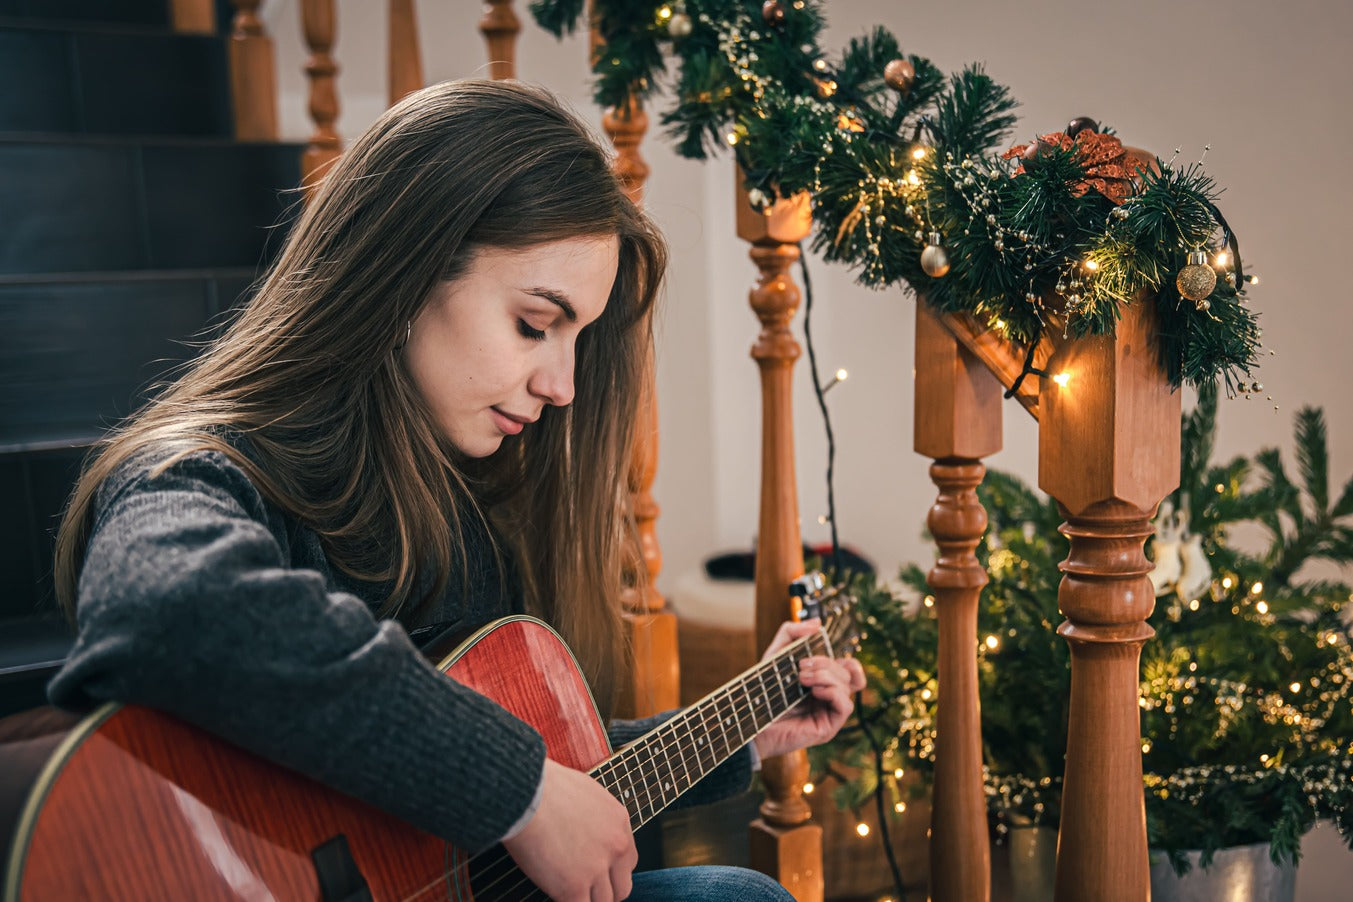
(957, 415)
(1002, 357)
(784, 842)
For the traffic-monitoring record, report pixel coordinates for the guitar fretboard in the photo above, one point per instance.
(650, 773)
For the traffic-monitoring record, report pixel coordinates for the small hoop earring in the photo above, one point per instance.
(408, 332)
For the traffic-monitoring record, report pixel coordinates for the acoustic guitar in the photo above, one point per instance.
(130, 803)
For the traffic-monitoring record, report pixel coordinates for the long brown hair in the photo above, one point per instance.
(309, 371)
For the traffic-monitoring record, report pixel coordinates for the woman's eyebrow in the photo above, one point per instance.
(556, 297)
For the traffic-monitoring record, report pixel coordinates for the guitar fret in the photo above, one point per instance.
(654, 771)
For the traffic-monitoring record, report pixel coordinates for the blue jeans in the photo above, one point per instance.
(706, 884)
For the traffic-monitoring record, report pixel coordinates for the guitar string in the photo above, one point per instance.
(726, 695)
(718, 699)
(724, 701)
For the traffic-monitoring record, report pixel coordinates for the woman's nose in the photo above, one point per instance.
(553, 381)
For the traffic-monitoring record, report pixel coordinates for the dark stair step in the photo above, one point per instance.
(81, 353)
(31, 652)
(79, 12)
(113, 82)
(89, 204)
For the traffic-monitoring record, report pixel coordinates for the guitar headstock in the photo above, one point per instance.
(812, 597)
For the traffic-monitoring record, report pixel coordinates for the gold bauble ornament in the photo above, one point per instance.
(934, 258)
(899, 75)
(1196, 280)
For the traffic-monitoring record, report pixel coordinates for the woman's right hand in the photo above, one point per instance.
(578, 846)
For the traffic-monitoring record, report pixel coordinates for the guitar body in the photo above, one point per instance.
(134, 804)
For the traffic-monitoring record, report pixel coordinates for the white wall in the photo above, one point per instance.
(1265, 84)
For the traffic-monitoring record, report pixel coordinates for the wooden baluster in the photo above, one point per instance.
(654, 682)
(320, 27)
(405, 63)
(957, 413)
(784, 843)
(499, 27)
(253, 76)
(194, 16)
(1108, 452)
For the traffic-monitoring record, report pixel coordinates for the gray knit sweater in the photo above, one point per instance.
(200, 598)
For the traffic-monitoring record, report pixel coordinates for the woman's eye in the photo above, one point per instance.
(528, 332)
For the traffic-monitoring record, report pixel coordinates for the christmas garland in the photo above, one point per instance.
(908, 187)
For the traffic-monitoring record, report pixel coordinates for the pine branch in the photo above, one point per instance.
(1313, 456)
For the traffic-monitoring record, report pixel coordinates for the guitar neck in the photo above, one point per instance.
(652, 772)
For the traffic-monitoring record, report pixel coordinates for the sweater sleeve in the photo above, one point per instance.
(186, 604)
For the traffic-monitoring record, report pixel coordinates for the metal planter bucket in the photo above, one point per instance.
(1238, 874)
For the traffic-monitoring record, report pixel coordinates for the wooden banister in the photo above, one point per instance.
(1108, 452)
(499, 27)
(253, 73)
(957, 415)
(1003, 358)
(320, 27)
(405, 66)
(784, 842)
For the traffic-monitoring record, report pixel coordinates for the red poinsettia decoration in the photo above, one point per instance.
(1109, 166)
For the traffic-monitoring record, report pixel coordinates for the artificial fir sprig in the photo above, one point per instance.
(887, 165)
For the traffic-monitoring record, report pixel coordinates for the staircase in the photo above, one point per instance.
(131, 222)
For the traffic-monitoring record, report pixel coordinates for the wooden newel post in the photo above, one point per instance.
(783, 843)
(1108, 452)
(957, 423)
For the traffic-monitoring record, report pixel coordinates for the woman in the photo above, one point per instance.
(421, 421)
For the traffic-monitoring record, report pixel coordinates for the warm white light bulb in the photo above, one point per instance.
(918, 153)
(1295, 687)
(1062, 379)
(842, 375)
(1092, 264)
(808, 788)
(862, 829)
(1256, 588)
(1262, 607)
(992, 642)
(1223, 258)
(665, 12)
